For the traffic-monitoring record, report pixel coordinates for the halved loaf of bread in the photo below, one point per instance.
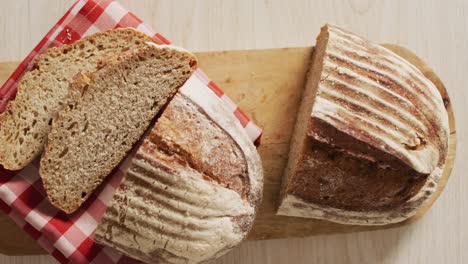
(41, 92)
(371, 136)
(107, 113)
(191, 191)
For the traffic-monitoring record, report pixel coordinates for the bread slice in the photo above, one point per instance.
(41, 92)
(109, 113)
(190, 192)
(370, 139)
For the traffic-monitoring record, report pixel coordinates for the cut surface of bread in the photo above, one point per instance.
(41, 92)
(106, 114)
(190, 193)
(370, 139)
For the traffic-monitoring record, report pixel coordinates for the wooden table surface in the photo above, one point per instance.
(434, 30)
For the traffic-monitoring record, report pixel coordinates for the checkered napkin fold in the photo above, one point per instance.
(69, 237)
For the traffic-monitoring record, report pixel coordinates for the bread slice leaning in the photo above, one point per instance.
(41, 92)
(107, 114)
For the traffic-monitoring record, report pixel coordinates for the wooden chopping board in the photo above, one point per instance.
(267, 85)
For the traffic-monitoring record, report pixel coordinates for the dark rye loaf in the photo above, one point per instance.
(41, 92)
(107, 113)
(371, 136)
(191, 191)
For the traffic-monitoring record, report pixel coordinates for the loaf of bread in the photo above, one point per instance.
(106, 114)
(370, 139)
(191, 191)
(41, 92)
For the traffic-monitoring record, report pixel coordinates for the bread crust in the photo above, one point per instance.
(292, 205)
(188, 146)
(377, 97)
(373, 106)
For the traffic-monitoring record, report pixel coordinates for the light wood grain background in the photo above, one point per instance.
(435, 30)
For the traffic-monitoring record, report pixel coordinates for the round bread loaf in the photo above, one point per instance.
(191, 191)
(371, 137)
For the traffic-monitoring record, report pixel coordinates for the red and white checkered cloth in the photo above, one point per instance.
(69, 237)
